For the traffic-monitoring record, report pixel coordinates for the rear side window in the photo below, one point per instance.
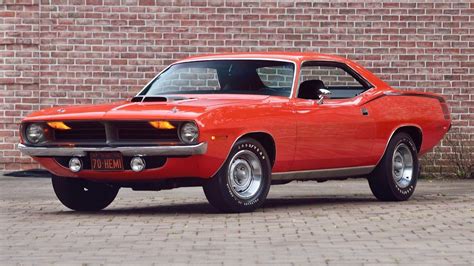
(337, 78)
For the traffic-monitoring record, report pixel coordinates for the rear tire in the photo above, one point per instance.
(243, 182)
(396, 175)
(83, 195)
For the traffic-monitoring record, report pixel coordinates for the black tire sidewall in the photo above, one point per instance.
(232, 202)
(398, 192)
(70, 193)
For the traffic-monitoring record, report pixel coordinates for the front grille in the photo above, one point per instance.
(82, 132)
(119, 132)
(143, 131)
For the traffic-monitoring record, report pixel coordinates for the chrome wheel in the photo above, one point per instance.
(402, 165)
(245, 174)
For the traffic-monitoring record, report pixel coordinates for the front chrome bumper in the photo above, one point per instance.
(197, 149)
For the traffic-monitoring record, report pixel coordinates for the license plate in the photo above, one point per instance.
(106, 161)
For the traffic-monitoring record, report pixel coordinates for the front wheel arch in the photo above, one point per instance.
(218, 189)
(266, 140)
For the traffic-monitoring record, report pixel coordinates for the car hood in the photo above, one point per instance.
(182, 107)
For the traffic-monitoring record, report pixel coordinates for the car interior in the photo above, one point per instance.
(309, 89)
(339, 79)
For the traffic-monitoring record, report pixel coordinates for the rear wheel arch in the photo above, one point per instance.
(395, 177)
(415, 133)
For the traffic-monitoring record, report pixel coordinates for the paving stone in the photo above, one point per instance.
(332, 223)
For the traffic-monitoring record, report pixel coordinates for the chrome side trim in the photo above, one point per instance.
(324, 173)
(197, 149)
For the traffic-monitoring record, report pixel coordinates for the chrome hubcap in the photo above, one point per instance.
(245, 174)
(402, 165)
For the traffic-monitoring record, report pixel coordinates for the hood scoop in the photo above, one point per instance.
(158, 98)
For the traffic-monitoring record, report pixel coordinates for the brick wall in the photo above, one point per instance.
(56, 52)
(19, 72)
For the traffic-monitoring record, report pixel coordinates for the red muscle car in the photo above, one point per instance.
(235, 124)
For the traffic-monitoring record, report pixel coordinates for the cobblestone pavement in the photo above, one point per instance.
(336, 222)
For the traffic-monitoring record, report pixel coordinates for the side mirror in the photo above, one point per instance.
(324, 94)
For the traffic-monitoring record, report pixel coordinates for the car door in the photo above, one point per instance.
(337, 132)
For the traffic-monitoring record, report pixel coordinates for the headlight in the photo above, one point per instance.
(34, 133)
(189, 133)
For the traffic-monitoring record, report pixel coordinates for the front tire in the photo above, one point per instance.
(395, 178)
(243, 182)
(83, 195)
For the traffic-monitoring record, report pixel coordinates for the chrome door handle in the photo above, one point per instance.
(303, 111)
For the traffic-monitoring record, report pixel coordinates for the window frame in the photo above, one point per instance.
(145, 89)
(343, 66)
(149, 86)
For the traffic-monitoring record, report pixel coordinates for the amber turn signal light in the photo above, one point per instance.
(161, 124)
(58, 125)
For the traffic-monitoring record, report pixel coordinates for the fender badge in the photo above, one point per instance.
(61, 110)
(174, 110)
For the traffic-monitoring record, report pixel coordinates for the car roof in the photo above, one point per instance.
(286, 56)
(296, 57)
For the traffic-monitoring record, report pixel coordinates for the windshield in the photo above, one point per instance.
(262, 77)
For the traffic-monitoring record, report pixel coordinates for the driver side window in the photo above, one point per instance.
(335, 77)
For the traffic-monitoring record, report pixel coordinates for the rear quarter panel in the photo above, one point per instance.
(394, 111)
